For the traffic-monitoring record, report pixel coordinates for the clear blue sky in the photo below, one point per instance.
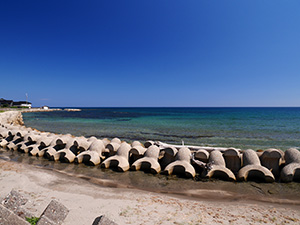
(151, 53)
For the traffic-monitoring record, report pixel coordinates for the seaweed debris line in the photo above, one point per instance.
(152, 156)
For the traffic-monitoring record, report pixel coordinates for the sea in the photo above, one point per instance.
(244, 128)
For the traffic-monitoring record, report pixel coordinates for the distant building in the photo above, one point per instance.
(45, 107)
(11, 103)
(6, 103)
(22, 104)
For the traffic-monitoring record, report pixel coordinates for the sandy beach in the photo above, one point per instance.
(149, 112)
(137, 198)
(86, 201)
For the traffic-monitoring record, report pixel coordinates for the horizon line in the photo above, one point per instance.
(172, 107)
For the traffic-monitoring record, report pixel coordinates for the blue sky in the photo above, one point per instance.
(151, 53)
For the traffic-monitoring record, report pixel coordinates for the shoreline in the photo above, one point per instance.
(217, 205)
(216, 162)
(174, 125)
(86, 201)
(26, 110)
(209, 190)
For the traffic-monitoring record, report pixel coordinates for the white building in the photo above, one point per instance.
(22, 104)
(45, 107)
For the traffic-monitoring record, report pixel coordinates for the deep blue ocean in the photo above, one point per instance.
(255, 128)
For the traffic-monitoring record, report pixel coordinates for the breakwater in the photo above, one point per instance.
(154, 157)
(244, 128)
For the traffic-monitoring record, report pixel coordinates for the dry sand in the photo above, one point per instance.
(86, 201)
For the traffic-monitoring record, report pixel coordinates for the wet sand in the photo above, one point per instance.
(211, 189)
(139, 198)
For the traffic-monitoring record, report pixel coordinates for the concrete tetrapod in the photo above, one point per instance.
(3, 132)
(18, 139)
(67, 147)
(182, 165)
(202, 155)
(272, 159)
(12, 131)
(148, 143)
(7, 134)
(167, 156)
(93, 155)
(105, 141)
(7, 138)
(91, 139)
(9, 131)
(30, 140)
(41, 145)
(44, 145)
(252, 169)
(27, 141)
(42, 141)
(4, 143)
(149, 162)
(13, 144)
(113, 146)
(6, 131)
(137, 151)
(68, 153)
(120, 160)
(291, 172)
(218, 167)
(23, 131)
(84, 143)
(59, 142)
(233, 159)
(10, 137)
(105, 152)
(200, 160)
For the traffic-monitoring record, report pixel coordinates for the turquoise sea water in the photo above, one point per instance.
(255, 128)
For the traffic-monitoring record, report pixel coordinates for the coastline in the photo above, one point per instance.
(216, 206)
(209, 190)
(25, 110)
(242, 128)
(86, 201)
(216, 162)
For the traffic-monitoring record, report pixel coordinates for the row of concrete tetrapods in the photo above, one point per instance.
(227, 164)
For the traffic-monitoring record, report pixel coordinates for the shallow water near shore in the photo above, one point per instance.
(255, 128)
(188, 188)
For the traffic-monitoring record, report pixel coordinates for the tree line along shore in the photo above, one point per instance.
(152, 156)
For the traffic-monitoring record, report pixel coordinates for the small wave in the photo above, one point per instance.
(178, 136)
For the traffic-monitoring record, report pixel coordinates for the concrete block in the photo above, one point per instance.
(7, 217)
(14, 200)
(103, 220)
(54, 213)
